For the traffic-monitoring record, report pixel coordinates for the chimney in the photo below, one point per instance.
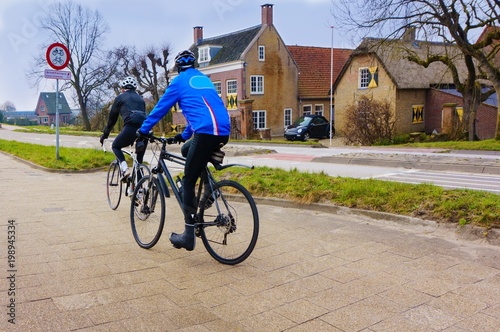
(409, 34)
(267, 14)
(198, 34)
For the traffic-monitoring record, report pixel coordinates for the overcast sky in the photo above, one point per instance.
(147, 23)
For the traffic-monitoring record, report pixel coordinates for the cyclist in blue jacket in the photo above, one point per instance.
(208, 124)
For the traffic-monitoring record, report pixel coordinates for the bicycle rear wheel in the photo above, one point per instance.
(114, 185)
(229, 222)
(147, 212)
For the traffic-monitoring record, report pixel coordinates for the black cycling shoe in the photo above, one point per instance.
(185, 240)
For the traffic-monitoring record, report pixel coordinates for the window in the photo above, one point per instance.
(368, 77)
(318, 109)
(203, 55)
(256, 84)
(231, 86)
(288, 117)
(306, 110)
(231, 95)
(460, 113)
(262, 53)
(418, 114)
(218, 87)
(364, 78)
(259, 119)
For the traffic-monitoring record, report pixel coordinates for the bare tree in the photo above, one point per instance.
(457, 22)
(150, 68)
(82, 30)
(8, 106)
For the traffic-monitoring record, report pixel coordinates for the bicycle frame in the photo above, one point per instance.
(175, 158)
(135, 166)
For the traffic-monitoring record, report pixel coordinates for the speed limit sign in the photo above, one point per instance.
(57, 56)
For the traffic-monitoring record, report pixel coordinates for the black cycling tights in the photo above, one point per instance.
(201, 147)
(126, 138)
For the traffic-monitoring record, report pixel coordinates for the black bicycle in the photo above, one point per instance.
(227, 219)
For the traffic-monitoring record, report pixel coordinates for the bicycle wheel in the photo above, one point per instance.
(229, 222)
(147, 212)
(114, 185)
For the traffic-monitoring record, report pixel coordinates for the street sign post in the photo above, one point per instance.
(58, 58)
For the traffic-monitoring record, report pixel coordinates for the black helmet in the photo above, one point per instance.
(184, 60)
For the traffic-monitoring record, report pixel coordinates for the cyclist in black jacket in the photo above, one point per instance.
(131, 106)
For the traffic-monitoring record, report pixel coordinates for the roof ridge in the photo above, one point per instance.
(232, 33)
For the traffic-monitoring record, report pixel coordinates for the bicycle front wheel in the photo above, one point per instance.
(147, 212)
(114, 185)
(229, 222)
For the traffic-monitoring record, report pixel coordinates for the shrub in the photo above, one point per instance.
(369, 122)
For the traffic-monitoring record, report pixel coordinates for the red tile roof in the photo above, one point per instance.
(315, 68)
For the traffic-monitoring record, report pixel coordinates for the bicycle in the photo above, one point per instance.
(226, 220)
(115, 180)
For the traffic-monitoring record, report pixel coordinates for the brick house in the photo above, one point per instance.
(46, 109)
(451, 99)
(381, 72)
(316, 77)
(254, 73)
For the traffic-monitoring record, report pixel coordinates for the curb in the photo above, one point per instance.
(443, 166)
(52, 170)
(467, 232)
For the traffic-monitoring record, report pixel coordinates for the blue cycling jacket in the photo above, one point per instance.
(200, 104)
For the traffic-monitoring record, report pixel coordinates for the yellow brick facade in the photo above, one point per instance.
(280, 79)
(401, 101)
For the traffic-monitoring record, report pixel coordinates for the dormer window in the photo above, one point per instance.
(204, 55)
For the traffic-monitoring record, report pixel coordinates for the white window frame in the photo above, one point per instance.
(287, 117)
(218, 87)
(307, 112)
(363, 78)
(229, 84)
(204, 54)
(259, 119)
(319, 109)
(257, 84)
(262, 53)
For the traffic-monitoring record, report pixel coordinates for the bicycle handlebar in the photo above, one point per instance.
(171, 140)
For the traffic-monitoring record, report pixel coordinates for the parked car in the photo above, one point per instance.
(309, 126)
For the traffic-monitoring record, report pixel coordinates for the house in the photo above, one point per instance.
(316, 76)
(379, 70)
(46, 109)
(254, 73)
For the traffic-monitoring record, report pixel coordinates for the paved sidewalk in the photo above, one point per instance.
(77, 268)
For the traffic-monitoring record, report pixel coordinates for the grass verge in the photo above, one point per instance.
(74, 159)
(425, 201)
(418, 200)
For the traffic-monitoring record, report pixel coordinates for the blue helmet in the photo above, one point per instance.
(184, 60)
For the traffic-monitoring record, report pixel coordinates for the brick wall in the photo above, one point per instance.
(486, 117)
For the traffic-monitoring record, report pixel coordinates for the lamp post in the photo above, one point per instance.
(331, 89)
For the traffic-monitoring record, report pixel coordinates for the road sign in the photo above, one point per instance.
(57, 74)
(57, 56)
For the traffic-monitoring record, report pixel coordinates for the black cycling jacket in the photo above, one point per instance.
(124, 104)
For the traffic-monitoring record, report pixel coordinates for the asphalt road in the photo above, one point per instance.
(450, 169)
